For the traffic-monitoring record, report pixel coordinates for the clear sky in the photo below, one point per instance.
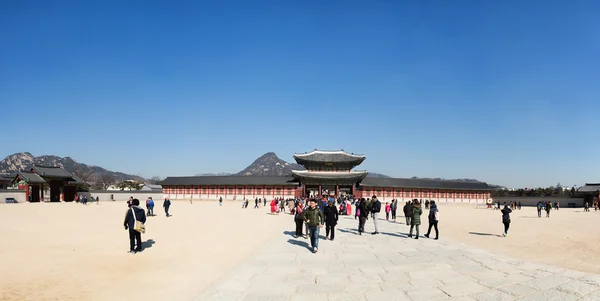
(507, 92)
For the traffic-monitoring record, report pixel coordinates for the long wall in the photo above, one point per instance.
(118, 196)
(229, 193)
(439, 195)
(270, 192)
(17, 194)
(532, 201)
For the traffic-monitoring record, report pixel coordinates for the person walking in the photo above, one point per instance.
(375, 209)
(331, 218)
(433, 217)
(221, 201)
(407, 212)
(539, 208)
(135, 213)
(363, 210)
(298, 218)
(415, 218)
(388, 209)
(256, 203)
(314, 219)
(548, 208)
(506, 219)
(166, 205)
(357, 209)
(150, 206)
(394, 208)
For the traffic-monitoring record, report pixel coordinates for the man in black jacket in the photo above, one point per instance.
(376, 208)
(331, 219)
(134, 213)
(364, 208)
(166, 205)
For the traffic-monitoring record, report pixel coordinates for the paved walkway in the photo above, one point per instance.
(391, 267)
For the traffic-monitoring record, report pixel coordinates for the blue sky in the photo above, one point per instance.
(507, 92)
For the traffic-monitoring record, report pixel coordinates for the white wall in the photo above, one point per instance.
(19, 195)
(532, 201)
(118, 196)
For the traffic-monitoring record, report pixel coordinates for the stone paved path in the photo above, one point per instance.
(391, 267)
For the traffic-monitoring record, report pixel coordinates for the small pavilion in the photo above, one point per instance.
(61, 183)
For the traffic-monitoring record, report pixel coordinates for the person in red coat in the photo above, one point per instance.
(273, 206)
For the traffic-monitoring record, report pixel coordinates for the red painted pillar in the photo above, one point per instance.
(337, 189)
(320, 192)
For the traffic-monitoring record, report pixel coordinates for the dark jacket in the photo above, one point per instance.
(416, 214)
(140, 215)
(432, 210)
(506, 214)
(331, 215)
(167, 203)
(313, 217)
(376, 208)
(365, 209)
(407, 210)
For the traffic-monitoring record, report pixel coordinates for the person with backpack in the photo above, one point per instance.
(298, 219)
(506, 219)
(375, 209)
(434, 217)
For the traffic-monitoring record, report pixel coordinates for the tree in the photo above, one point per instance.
(155, 180)
(106, 180)
(130, 185)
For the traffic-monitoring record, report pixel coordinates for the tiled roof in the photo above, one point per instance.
(424, 183)
(368, 182)
(350, 175)
(30, 177)
(589, 188)
(52, 171)
(329, 157)
(228, 180)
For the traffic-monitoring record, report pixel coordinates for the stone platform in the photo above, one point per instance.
(390, 267)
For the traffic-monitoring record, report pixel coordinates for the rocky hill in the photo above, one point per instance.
(271, 165)
(89, 173)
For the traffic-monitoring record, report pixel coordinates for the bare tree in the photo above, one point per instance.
(155, 180)
(106, 180)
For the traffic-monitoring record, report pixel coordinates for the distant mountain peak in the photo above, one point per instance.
(89, 173)
(270, 165)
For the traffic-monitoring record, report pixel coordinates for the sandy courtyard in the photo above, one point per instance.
(67, 251)
(567, 239)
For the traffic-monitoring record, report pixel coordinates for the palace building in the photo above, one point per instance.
(328, 173)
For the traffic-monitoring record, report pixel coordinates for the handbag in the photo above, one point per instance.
(138, 226)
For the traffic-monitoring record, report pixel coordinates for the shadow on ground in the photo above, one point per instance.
(299, 243)
(402, 235)
(147, 244)
(484, 234)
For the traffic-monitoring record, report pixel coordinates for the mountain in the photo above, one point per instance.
(271, 165)
(89, 173)
(214, 174)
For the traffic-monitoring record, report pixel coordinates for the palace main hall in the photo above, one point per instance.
(327, 173)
